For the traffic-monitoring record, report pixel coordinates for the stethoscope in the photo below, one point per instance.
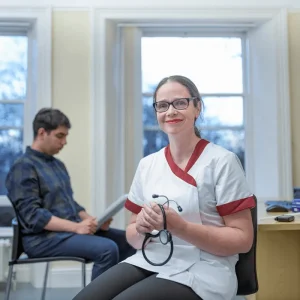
(164, 235)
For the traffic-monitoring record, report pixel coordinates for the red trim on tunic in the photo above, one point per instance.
(236, 206)
(183, 174)
(196, 154)
(134, 208)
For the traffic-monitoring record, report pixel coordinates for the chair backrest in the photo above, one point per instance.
(17, 246)
(246, 266)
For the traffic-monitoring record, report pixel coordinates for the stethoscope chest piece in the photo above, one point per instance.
(165, 236)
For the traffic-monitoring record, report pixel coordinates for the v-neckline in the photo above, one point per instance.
(183, 174)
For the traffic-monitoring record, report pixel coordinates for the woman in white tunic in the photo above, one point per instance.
(215, 223)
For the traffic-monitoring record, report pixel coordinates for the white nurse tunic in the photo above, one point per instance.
(213, 185)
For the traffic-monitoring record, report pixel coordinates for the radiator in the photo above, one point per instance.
(5, 255)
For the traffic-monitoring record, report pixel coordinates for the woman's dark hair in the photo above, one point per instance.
(49, 119)
(191, 87)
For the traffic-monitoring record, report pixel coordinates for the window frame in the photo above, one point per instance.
(108, 82)
(36, 24)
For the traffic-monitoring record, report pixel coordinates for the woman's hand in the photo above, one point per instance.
(153, 216)
(174, 221)
(142, 225)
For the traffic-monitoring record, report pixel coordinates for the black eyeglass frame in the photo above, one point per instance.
(188, 99)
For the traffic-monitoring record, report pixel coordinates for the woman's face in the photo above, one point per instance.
(174, 121)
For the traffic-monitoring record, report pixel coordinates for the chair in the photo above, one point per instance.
(17, 251)
(246, 266)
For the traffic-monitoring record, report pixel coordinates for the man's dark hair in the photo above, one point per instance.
(49, 119)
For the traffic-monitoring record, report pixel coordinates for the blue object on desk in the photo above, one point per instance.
(281, 202)
(296, 202)
(296, 209)
(296, 205)
(278, 206)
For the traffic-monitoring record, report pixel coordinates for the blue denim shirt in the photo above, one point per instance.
(39, 187)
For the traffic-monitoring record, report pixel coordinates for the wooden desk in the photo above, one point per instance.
(278, 258)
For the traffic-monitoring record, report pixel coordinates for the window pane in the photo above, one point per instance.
(13, 67)
(227, 111)
(154, 140)
(149, 117)
(11, 142)
(213, 63)
(11, 115)
(232, 140)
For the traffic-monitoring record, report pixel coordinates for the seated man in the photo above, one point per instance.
(52, 222)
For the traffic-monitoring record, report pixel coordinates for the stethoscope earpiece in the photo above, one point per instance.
(179, 208)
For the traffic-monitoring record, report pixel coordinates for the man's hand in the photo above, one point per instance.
(87, 226)
(105, 226)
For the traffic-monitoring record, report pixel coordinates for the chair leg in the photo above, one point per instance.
(45, 281)
(8, 284)
(83, 275)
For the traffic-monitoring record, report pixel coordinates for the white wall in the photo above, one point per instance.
(71, 93)
(152, 3)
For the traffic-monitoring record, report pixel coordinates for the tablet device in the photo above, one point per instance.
(111, 210)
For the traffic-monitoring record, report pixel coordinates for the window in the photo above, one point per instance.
(13, 91)
(215, 65)
(25, 81)
(25, 86)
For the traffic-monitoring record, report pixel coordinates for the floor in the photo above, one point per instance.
(26, 291)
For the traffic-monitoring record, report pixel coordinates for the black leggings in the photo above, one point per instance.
(128, 282)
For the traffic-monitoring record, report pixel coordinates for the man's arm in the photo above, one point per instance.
(80, 209)
(87, 226)
(23, 191)
(58, 224)
(84, 215)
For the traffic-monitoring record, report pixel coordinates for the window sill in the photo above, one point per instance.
(6, 232)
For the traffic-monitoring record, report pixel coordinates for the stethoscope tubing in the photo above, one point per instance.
(169, 240)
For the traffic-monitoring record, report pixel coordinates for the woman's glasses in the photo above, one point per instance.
(180, 104)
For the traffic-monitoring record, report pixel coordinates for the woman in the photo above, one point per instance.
(214, 225)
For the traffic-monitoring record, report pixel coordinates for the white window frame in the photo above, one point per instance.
(36, 23)
(269, 171)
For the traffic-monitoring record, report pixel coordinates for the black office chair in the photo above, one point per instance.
(16, 259)
(246, 266)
